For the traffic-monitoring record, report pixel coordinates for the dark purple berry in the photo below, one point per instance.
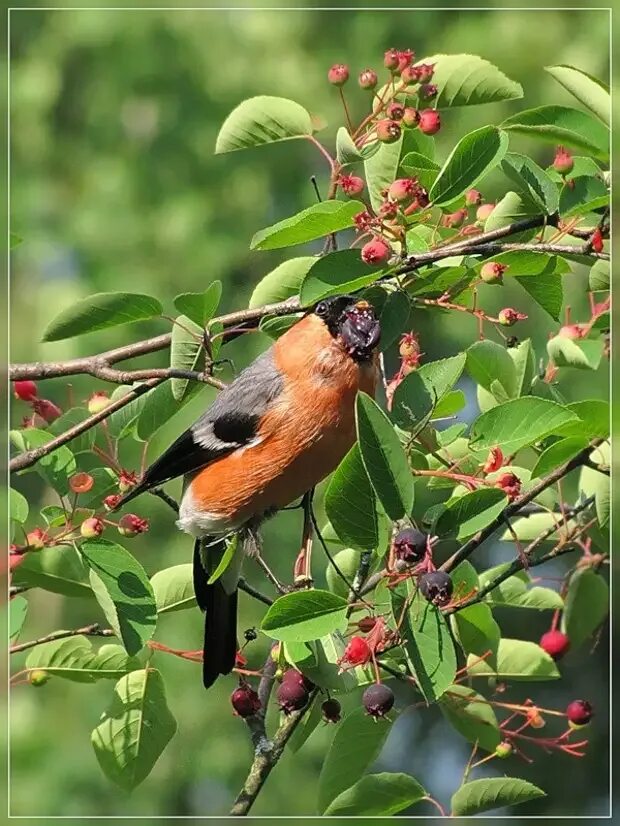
(410, 545)
(378, 699)
(292, 695)
(331, 711)
(436, 587)
(245, 701)
(579, 712)
(295, 677)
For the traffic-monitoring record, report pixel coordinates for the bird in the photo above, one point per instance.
(269, 437)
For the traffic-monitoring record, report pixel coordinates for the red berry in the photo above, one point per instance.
(492, 272)
(331, 711)
(563, 161)
(26, 391)
(351, 185)
(292, 696)
(411, 117)
(378, 699)
(375, 252)
(46, 409)
(409, 347)
(132, 525)
(508, 316)
(245, 701)
(338, 74)
(368, 79)
(428, 91)
(430, 121)
(388, 131)
(555, 643)
(81, 482)
(391, 59)
(454, 220)
(36, 539)
(436, 587)
(483, 212)
(403, 190)
(357, 652)
(388, 210)
(127, 480)
(579, 712)
(395, 110)
(410, 75)
(425, 72)
(410, 545)
(405, 58)
(98, 401)
(473, 197)
(110, 502)
(597, 240)
(91, 528)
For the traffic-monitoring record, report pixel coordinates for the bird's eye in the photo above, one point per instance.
(321, 309)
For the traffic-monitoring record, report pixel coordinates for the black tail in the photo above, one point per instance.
(220, 640)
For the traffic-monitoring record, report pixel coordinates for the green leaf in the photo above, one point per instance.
(305, 615)
(587, 89)
(160, 406)
(518, 423)
(516, 660)
(313, 222)
(472, 716)
(122, 423)
(377, 795)
(512, 207)
(471, 512)
(306, 726)
(263, 119)
(82, 443)
(18, 506)
(593, 421)
(584, 354)
(532, 180)
(476, 631)
(492, 793)
(394, 317)
(468, 80)
(75, 659)
(185, 350)
(416, 165)
(347, 153)
(100, 311)
(583, 195)
(230, 547)
(429, 648)
(58, 569)
(384, 458)
(380, 170)
(546, 289)
(350, 503)
(594, 483)
(56, 467)
(283, 282)
(338, 272)
(348, 561)
(472, 157)
(449, 406)
(489, 362)
(105, 482)
(599, 276)
(558, 453)
(173, 588)
(200, 307)
(356, 745)
(123, 591)
(525, 365)
(18, 608)
(528, 527)
(586, 606)
(135, 729)
(562, 124)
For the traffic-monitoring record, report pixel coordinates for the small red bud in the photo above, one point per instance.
(425, 72)
(132, 525)
(430, 121)
(110, 502)
(411, 117)
(597, 240)
(351, 185)
(368, 79)
(403, 190)
(473, 197)
(405, 58)
(46, 409)
(510, 484)
(91, 528)
(391, 59)
(428, 91)
(504, 749)
(357, 652)
(492, 272)
(338, 74)
(375, 252)
(25, 390)
(454, 220)
(410, 75)
(98, 402)
(395, 110)
(563, 161)
(508, 316)
(483, 212)
(388, 131)
(36, 539)
(127, 479)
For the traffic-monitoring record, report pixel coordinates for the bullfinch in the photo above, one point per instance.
(269, 437)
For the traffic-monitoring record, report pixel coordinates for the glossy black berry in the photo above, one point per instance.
(250, 634)
(410, 545)
(378, 699)
(331, 711)
(436, 587)
(245, 701)
(292, 695)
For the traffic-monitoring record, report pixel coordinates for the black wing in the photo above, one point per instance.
(230, 423)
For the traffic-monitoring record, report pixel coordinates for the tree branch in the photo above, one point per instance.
(519, 563)
(513, 509)
(88, 631)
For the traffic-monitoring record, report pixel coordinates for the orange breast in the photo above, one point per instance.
(301, 439)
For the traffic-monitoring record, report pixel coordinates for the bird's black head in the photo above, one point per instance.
(353, 321)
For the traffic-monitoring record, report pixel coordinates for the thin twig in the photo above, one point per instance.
(88, 631)
(244, 585)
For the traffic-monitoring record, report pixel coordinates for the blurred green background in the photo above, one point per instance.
(114, 186)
